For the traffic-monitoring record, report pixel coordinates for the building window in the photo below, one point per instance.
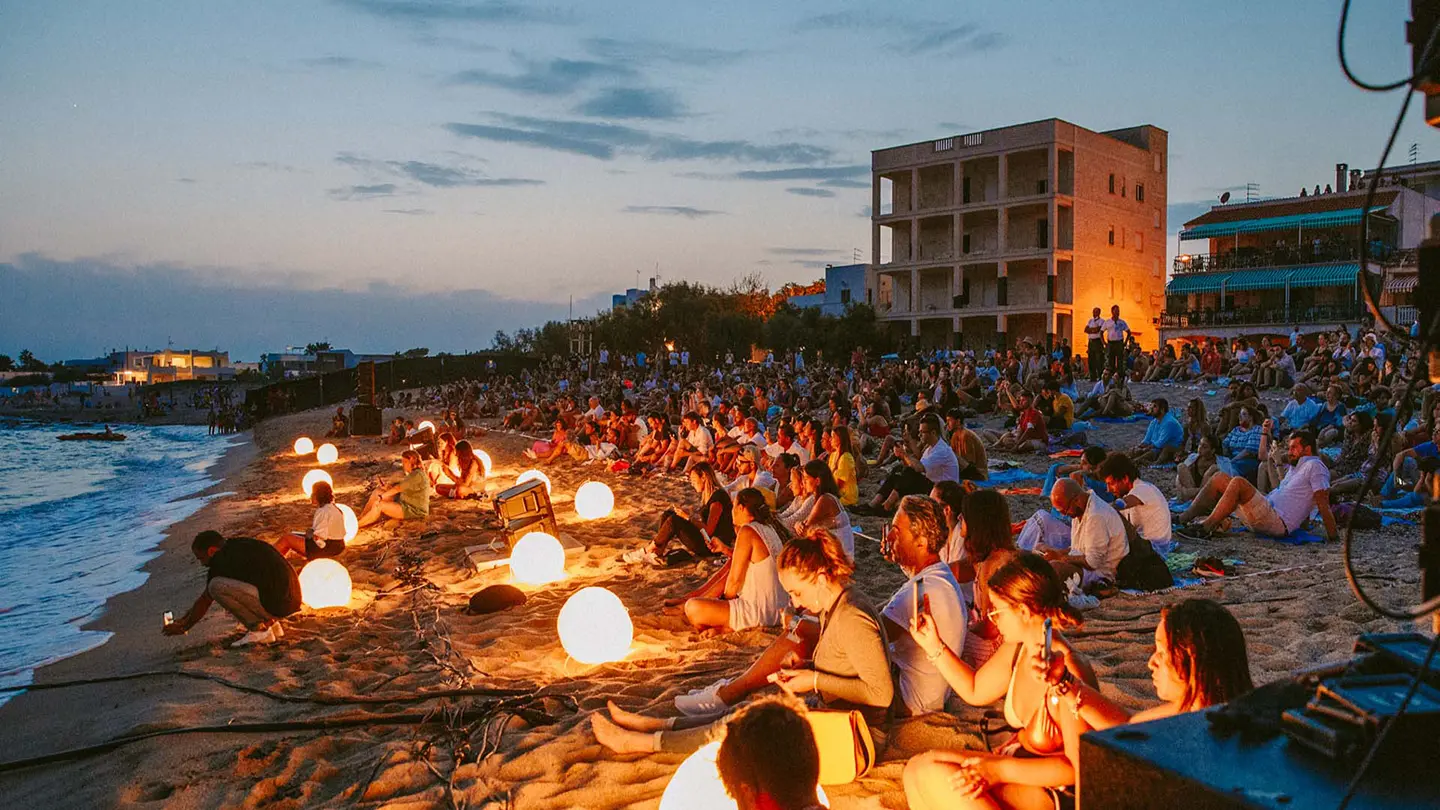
(1122, 187)
(1139, 192)
(1112, 182)
(845, 296)
(1155, 270)
(1112, 234)
(1139, 242)
(1157, 218)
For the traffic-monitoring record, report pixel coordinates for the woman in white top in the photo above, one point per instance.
(326, 537)
(825, 511)
(803, 500)
(746, 592)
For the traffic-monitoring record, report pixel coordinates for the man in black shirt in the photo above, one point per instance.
(250, 579)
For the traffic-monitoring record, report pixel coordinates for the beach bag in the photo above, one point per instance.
(1359, 516)
(1143, 569)
(847, 751)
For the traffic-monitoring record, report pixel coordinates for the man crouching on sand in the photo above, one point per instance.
(250, 579)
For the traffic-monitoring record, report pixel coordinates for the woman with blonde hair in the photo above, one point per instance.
(1037, 767)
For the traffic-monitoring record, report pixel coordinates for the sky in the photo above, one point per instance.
(386, 174)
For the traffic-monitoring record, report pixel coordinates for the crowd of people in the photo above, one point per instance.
(775, 454)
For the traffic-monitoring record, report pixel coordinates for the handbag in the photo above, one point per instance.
(847, 751)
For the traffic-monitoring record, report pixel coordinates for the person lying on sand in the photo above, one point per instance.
(407, 500)
(248, 578)
(326, 535)
(848, 660)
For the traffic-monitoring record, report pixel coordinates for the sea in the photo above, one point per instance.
(77, 522)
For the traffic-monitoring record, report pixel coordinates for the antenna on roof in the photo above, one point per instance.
(1252, 192)
(1414, 152)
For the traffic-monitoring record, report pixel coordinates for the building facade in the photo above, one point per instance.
(982, 240)
(1263, 267)
(169, 365)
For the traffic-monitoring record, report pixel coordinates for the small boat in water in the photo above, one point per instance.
(107, 436)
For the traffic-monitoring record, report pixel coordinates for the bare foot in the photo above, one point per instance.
(633, 721)
(617, 739)
(676, 601)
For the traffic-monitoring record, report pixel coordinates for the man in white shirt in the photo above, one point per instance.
(926, 463)
(1141, 502)
(1115, 329)
(596, 412)
(694, 445)
(1095, 349)
(913, 542)
(1097, 536)
(785, 443)
(1306, 488)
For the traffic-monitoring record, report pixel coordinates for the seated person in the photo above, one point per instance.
(840, 457)
(1164, 437)
(439, 468)
(1041, 761)
(339, 425)
(1301, 410)
(749, 592)
(1192, 473)
(1283, 511)
(694, 444)
(397, 432)
(1139, 501)
(1330, 423)
(842, 659)
(923, 463)
(696, 531)
(968, 448)
(326, 535)
(913, 541)
(1090, 403)
(826, 510)
(1197, 424)
(1062, 407)
(1097, 537)
(749, 472)
(769, 759)
(1029, 434)
(248, 578)
(1199, 662)
(1085, 472)
(407, 500)
(1242, 444)
(986, 545)
(466, 476)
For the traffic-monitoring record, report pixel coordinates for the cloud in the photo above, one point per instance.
(341, 63)
(186, 180)
(788, 251)
(451, 11)
(633, 102)
(410, 212)
(807, 173)
(838, 182)
(73, 307)
(358, 193)
(937, 39)
(672, 211)
(270, 166)
(810, 192)
(652, 52)
(552, 77)
(605, 141)
(434, 175)
(865, 212)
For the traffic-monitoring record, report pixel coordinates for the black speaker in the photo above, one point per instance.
(366, 420)
(365, 383)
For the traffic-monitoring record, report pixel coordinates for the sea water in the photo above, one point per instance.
(77, 521)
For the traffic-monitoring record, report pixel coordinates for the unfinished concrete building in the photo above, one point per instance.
(981, 240)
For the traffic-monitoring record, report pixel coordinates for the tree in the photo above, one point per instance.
(28, 361)
(6, 363)
(312, 348)
(410, 354)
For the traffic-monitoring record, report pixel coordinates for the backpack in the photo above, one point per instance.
(1143, 569)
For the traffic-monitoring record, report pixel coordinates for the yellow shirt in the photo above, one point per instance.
(1065, 409)
(842, 466)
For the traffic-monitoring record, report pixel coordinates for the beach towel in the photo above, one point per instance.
(1001, 477)
(1072, 453)
(1019, 491)
(1082, 426)
(1117, 420)
(1299, 537)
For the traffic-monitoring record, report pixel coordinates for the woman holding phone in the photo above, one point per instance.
(1037, 767)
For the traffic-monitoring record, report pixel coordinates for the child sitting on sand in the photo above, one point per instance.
(326, 535)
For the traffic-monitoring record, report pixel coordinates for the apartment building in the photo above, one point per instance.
(985, 239)
(169, 365)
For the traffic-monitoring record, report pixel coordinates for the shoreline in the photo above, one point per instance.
(92, 416)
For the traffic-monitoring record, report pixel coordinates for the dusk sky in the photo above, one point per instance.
(386, 174)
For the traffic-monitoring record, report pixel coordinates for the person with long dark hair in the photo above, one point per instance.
(746, 592)
(826, 511)
(698, 532)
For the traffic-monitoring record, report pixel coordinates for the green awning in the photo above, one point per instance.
(1268, 278)
(1323, 219)
(1190, 283)
(1324, 275)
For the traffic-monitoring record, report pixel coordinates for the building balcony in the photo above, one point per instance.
(1280, 256)
(1261, 316)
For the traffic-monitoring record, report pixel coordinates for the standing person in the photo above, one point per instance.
(1116, 330)
(248, 578)
(1095, 348)
(407, 500)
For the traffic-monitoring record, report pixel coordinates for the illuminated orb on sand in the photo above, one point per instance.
(696, 784)
(534, 475)
(314, 476)
(537, 559)
(352, 523)
(303, 446)
(324, 583)
(484, 461)
(595, 627)
(327, 454)
(594, 500)
(426, 425)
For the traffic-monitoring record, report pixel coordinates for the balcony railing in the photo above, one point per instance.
(1279, 256)
(1319, 313)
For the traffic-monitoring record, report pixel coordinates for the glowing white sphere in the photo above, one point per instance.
(324, 583)
(595, 627)
(303, 446)
(534, 475)
(696, 784)
(352, 523)
(327, 454)
(484, 461)
(313, 476)
(537, 559)
(426, 424)
(594, 500)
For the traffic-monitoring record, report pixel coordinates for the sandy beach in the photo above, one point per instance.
(405, 633)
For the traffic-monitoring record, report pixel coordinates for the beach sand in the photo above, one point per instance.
(1292, 602)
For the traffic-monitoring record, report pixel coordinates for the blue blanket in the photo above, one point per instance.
(1006, 477)
(1115, 420)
